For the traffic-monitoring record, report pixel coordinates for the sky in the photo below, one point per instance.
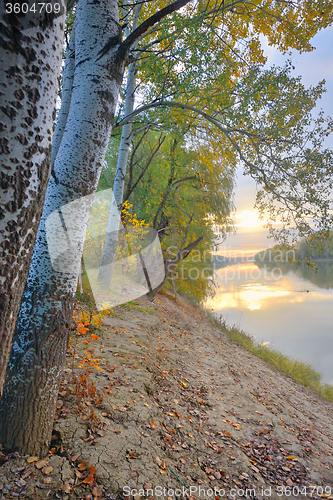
(313, 67)
(290, 314)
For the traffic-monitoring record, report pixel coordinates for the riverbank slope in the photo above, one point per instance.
(171, 402)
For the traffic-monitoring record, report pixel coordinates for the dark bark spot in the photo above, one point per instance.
(19, 94)
(5, 244)
(4, 299)
(27, 173)
(11, 207)
(11, 226)
(13, 70)
(105, 94)
(33, 112)
(31, 151)
(33, 95)
(17, 104)
(4, 147)
(22, 139)
(14, 239)
(28, 120)
(9, 111)
(12, 40)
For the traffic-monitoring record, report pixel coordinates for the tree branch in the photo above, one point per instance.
(151, 21)
(174, 105)
(170, 265)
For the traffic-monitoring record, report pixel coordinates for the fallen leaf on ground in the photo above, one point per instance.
(41, 463)
(66, 488)
(89, 479)
(97, 491)
(47, 470)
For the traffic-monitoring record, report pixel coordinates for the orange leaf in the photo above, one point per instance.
(92, 469)
(94, 337)
(89, 479)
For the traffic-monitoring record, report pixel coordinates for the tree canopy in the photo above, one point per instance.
(208, 103)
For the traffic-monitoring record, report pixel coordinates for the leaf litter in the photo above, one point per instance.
(187, 407)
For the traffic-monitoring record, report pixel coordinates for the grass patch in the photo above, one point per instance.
(299, 371)
(134, 306)
(296, 370)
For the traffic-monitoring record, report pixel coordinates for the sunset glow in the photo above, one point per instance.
(248, 219)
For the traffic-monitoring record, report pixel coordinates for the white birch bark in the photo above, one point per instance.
(114, 222)
(41, 333)
(30, 61)
(66, 96)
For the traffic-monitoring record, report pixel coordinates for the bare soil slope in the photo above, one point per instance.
(177, 406)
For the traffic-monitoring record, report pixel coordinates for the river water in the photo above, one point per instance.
(290, 309)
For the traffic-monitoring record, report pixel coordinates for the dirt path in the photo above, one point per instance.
(183, 408)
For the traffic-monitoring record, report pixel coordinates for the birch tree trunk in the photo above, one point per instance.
(30, 61)
(114, 222)
(41, 334)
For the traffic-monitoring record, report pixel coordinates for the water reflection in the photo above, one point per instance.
(321, 275)
(289, 307)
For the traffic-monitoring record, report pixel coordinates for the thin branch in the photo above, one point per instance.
(151, 21)
(186, 233)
